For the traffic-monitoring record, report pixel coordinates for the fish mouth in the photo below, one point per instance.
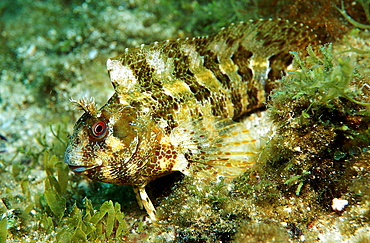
(75, 168)
(79, 168)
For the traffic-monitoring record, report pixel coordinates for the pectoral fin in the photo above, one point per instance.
(216, 146)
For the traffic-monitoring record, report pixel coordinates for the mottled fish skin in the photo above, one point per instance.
(176, 102)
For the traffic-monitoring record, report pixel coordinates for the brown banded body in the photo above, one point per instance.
(176, 104)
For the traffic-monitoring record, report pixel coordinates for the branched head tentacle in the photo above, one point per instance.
(87, 105)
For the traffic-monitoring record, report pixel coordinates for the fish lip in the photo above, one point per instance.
(79, 168)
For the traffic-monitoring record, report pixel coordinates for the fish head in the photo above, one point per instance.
(104, 143)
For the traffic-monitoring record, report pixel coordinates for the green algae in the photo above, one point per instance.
(366, 6)
(107, 223)
(3, 230)
(319, 116)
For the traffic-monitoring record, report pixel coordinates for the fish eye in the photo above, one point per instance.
(99, 129)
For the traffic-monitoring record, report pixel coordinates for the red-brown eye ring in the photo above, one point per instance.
(99, 129)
